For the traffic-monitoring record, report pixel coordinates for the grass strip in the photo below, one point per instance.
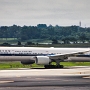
(15, 65)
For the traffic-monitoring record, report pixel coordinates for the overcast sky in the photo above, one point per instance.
(54, 12)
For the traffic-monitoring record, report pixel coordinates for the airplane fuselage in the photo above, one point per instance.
(27, 54)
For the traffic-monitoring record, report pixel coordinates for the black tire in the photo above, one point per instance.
(52, 66)
(61, 66)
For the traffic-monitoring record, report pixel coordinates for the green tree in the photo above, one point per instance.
(54, 41)
(82, 37)
(19, 43)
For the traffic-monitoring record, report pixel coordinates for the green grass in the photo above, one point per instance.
(15, 65)
(8, 39)
(75, 63)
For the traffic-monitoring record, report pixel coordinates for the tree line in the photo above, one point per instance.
(66, 34)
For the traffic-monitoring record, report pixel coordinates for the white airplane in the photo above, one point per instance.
(44, 56)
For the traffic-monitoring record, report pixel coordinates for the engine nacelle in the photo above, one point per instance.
(43, 60)
(28, 62)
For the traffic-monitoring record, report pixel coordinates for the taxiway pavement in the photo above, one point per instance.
(76, 78)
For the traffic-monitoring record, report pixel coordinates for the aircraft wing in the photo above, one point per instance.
(66, 55)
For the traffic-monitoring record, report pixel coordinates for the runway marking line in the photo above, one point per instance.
(18, 76)
(87, 77)
(6, 81)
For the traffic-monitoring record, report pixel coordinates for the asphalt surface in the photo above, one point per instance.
(65, 79)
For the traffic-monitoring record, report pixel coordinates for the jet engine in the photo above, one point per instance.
(26, 62)
(43, 60)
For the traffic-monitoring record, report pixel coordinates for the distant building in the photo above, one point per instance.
(80, 24)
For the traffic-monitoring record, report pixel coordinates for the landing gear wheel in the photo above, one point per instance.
(49, 66)
(61, 66)
(53, 66)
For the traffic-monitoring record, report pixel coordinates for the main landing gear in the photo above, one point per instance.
(54, 66)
